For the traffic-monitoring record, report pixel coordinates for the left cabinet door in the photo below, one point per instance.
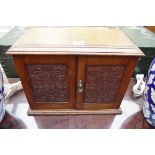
(48, 81)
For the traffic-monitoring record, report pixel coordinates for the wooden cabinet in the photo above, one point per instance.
(75, 70)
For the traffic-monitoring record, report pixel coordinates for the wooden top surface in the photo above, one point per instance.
(75, 40)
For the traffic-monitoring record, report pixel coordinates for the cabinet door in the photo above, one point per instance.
(48, 81)
(102, 81)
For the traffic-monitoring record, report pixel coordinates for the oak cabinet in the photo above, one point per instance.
(75, 70)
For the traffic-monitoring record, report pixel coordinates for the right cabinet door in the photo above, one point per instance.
(102, 81)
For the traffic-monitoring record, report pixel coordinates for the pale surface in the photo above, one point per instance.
(75, 39)
(74, 36)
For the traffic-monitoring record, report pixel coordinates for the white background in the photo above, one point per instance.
(77, 13)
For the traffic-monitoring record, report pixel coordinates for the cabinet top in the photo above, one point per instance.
(75, 41)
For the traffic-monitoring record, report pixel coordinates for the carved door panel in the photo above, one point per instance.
(102, 81)
(49, 81)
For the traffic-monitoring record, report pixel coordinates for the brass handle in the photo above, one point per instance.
(80, 86)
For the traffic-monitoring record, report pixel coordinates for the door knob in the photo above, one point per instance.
(80, 86)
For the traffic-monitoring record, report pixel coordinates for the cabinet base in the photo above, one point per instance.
(73, 112)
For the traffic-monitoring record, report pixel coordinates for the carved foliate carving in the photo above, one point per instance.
(102, 83)
(49, 82)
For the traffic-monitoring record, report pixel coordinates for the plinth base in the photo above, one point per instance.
(73, 112)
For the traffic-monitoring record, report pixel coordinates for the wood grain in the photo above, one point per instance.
(73, 112)
(75, 41)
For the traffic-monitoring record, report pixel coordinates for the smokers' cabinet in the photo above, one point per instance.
(72, 80)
